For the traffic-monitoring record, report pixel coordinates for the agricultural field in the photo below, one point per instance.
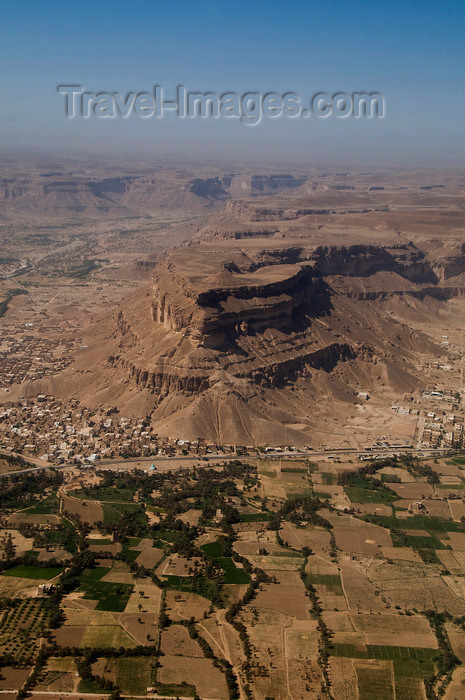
(281, 579)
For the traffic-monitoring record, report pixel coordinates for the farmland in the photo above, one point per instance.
(268, 592)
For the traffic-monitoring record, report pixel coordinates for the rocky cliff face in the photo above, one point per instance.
(232, 338)
(261, 314)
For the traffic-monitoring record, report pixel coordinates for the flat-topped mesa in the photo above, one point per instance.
(231, 303)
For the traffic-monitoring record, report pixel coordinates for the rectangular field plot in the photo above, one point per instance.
(44, 573)
(133, 675)
(110, 596)
(331, 581)
(381, 652)
(144, 598)
(374, 680)
(107, 636)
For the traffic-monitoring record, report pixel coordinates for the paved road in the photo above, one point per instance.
(228, 458)
(95, 696)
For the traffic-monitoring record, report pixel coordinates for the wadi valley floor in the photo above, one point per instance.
(257, 578)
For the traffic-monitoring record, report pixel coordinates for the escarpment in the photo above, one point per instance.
(262, 313)
(233, 340)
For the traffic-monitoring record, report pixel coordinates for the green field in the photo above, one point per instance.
(187, 584)
(358, 494)
(232, 574)
(34, 572)
(374, 683)
(129, 553)
(419, 522)
(378, 651)
(111, 596)
(331, 581)
(134, 675)
(65, 538)
(105, 493)
(48, 506)
(112, 512)
(95, 574)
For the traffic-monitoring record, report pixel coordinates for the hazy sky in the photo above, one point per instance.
(411, 52)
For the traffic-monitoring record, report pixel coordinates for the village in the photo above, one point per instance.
(59, 433)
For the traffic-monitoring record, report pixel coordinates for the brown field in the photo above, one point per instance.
(454, 690)
(413, 490)
(412, 585)
(395, 630)
(57, 682)
(276, 562)
(263, 538)
(222, 637)
(91, 512)
(114, 548)
(315, 538)
(450, 561)
(287, 596)
(362, 540)
(59, 675)
(22, 544)
(284, 656)
(69, 635)
(415, 532)
(191, 517)
(232, 593)
(460, 558)
(343, 679)
(457, 640)
(149, 557)
(139, 625)
(456, 585)
(271, 488)
(176, 565)
(456, 541)
(403, 553)
(372, 509)
(183, 606)
(146, 594)
(175, 641)
(457, 509)
(266, 634)
(437, 508)
(208, 680)
(446, 469)
(11, 586)
(301, 653)
(359, 590)
(13, 678)
(61, 554)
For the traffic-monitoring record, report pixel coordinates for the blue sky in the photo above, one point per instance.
(411, 52)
